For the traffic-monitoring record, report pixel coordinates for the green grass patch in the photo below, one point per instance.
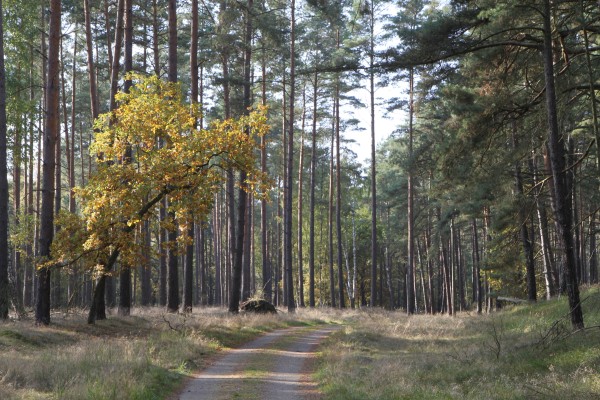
(522, 352)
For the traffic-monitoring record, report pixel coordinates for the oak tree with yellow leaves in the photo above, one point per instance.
(188, 167)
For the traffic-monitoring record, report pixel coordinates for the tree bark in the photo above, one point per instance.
(563, 213)
(330, 219)
(125, 274)
(373, 166)
(266, 270)
(4, 285)
(290, 168)
(338, 202)
(300, 180)
(313, 166)
(410, 276)
(51, 132)
(172, 265)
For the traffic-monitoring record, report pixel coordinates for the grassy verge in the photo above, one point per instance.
(145, 356)
(524, 352)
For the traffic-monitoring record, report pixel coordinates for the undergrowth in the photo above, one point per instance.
(144, 356)
(523, 352)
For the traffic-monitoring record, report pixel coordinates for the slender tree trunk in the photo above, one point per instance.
(188, 287)
(338, 207)
(593, 263)
(4, 285)
(477, 292)
(247, 255)
(300, 180)
(313, 166)
(373, 166)
(172, 266)
(330, 219)
(266, 270)
(238, 264)
(125, 274)
(51, 132)
(410, 276)
(563, 214)
(290, 168)
(90, 60)
(29, 274)
(217, 239)
(146, 267)
(543, 232)
(524, 231)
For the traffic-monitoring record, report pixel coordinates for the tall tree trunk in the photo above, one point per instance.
(477, 292)
(266, 270)
(17, 285)
(188, 286)
(51, 131)
(563, 214)
(338, 202)
(108, 44)
(547, 258)
(330, 218)
(300, 180)
(243, 221)
(218, 300)
(593, 263)
(4, 285)
(146, 267)
(172, 267)
(247, 252)
(125, 274)
(373, 166)
(90, 60)
(28, 278)
(410, 276)
(313, 166)
(289, 168)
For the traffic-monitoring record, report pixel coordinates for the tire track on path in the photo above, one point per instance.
(277, 365)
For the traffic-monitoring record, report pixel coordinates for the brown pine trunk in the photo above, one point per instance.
(4, 285)
(188, 269)
(523, 230)
(330, 219)
(289, 168)
(313, 166)
(125, 274)
(477, 292)
(300, 180)
(338, 202)
(373, 166)
(410, 276)
(172, 263)
(563, 213)
(90, 60)
(51, 132)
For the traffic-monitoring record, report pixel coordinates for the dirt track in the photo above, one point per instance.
(275, 366)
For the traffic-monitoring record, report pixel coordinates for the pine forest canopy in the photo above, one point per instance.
(117, 180)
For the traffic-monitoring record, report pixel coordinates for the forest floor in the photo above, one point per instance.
(148, 355)
(523, 352)
(527, 351)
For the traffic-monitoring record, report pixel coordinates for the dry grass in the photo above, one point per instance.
(144, 356)
(388, 355)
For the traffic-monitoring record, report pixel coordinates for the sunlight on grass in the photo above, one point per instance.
(521, 352)
(144, 356)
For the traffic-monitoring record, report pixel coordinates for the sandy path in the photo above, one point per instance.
(277, 365)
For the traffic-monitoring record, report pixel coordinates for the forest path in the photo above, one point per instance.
(276, 366)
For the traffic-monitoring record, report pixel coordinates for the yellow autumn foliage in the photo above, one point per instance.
(169, 157)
